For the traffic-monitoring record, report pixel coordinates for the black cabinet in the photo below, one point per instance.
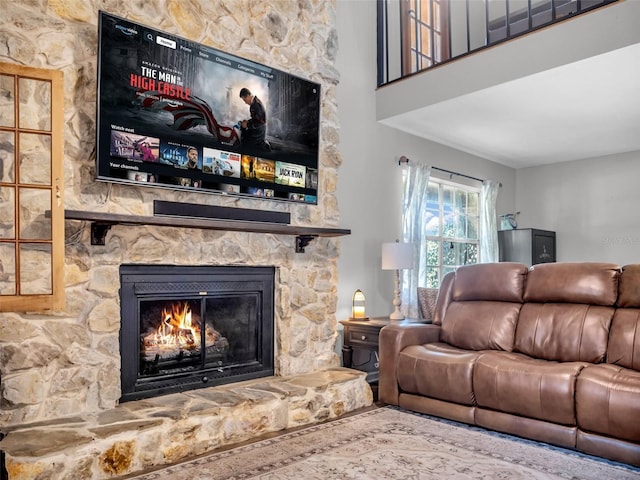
(527, 245)
(360, 345)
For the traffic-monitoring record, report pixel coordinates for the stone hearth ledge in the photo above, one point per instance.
(142, 434)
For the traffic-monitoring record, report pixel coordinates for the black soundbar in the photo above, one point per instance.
(195, 210)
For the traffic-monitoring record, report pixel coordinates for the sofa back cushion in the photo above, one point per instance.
(589, 283)
(563, 332)
(482, 306)
(567, 312)
(624, 340)
(480, 325)
(629, 287)
(500, 282)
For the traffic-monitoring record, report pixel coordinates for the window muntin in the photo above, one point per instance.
(451, 229)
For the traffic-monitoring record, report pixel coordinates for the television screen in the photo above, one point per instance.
(174, 113)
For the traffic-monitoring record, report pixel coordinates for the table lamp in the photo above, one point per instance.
(397, 256)
(357, 309)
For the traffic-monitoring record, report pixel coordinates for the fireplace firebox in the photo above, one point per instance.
(188, 327)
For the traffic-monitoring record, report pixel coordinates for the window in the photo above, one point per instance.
(425, 34)
(31, 203)
(451, 229)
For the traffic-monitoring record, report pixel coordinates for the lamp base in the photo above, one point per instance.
(359, 318)
(397, 301)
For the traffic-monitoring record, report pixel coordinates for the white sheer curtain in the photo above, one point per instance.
(414, 205)
(488, 222)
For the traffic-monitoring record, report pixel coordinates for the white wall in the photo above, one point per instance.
(370, 180)
(592, 205)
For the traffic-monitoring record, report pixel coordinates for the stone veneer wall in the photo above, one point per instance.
(68, 363)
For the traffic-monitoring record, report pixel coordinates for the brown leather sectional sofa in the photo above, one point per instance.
(550, 353)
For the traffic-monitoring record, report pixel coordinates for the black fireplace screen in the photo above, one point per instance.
(190, 327)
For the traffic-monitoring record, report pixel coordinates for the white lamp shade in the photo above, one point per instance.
(397, 256)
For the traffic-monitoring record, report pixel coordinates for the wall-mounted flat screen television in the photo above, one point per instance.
(177, 114)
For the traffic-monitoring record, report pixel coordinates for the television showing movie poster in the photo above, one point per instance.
(220, 163)
(290, 174)
(229, 188)
(257, 168)
(265, 170)
(139, 176)
(180, 155)
(134, 147)
(188, 111)
(311, 180)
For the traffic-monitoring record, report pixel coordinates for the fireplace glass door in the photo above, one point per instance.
(191, 327)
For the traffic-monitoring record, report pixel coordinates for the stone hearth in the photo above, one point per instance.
(142, 434)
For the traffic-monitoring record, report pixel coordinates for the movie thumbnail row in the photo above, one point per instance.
(146, 177)
(140, 148)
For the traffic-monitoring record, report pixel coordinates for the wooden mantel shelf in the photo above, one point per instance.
(102, 222)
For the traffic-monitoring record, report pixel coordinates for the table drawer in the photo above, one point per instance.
(362, 336)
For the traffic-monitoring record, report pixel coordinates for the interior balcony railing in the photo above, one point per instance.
(414, 35)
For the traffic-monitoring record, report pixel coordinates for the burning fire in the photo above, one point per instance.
(175, 329)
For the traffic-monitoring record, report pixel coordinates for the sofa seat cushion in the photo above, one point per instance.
(521, 385)
(439, 371)
(607, 401)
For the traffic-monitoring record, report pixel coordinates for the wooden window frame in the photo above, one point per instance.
(55, 300)
(437, 22)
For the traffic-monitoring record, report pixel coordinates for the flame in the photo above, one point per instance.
(176, 327)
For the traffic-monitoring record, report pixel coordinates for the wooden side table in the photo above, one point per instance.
(360, 346)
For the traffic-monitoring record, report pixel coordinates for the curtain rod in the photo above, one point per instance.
(404, 159)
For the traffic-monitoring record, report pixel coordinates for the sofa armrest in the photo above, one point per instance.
(392, 340)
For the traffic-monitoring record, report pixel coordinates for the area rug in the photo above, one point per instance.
(390, 443)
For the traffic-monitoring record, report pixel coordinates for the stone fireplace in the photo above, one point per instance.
(62, 387)
(189, 327)
(196, 390)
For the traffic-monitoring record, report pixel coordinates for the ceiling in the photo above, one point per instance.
(585, 109)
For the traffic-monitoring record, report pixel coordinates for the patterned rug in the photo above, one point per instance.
(389, 443)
